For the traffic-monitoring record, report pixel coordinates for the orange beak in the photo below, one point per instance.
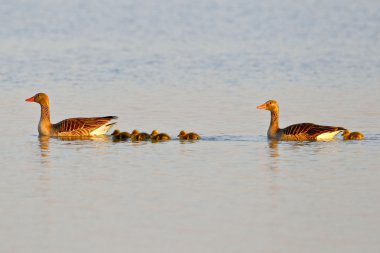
(31, 99)
(263, 106)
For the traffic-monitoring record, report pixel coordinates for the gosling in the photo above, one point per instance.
(347, 135)
(117, 135)
(137, 136)
(188, 136)
(155, 136)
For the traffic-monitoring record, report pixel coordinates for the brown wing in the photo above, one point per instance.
(307, 131)
(80, 126)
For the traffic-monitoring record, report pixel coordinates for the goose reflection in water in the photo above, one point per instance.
(273, 148)
(45, 141)
(44, 145)
(273, 154)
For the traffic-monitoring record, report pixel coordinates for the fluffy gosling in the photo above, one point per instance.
(137, 136)
(117, 135)
(155, 136)
(347, 135)
(188, 136)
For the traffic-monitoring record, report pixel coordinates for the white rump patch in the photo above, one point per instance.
(328, 136)
(102, 130)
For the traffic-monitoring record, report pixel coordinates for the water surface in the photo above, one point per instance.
(202, 66)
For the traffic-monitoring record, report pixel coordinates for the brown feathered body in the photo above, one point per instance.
(307, 131)
(69, 127)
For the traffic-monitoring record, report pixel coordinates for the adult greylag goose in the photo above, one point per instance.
(347, 135)
(137, 136)
(156, 136)
(188, 136)
(297, 132)
(69, 127)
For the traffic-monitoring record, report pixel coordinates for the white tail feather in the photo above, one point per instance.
(102, 130)
(328, 136)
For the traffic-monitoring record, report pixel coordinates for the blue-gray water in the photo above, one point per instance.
(202, 66)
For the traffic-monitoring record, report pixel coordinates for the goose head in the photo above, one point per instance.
(40, 98)
(270, 105)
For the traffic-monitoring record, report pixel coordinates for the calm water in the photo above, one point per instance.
(201, 66)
